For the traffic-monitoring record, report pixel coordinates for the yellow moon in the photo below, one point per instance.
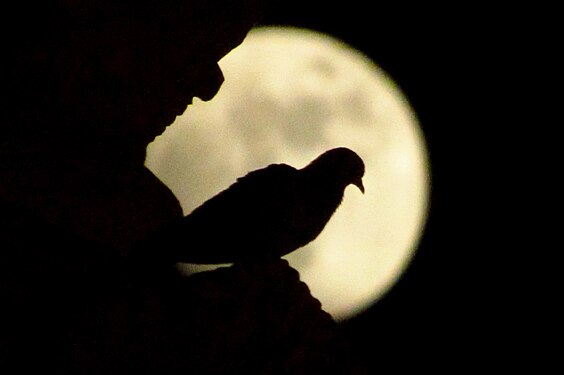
(290, 94)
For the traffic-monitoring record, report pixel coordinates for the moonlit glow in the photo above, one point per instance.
(289, 95)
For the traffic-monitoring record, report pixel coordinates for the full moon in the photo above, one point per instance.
(289, 95)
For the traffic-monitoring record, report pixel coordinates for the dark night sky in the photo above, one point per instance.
(445, 313)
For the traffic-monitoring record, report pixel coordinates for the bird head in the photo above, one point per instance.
(341, 165)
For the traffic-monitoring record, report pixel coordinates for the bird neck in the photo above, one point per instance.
(327, 179)
(325, 189)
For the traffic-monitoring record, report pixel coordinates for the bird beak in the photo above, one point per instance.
(358, 183)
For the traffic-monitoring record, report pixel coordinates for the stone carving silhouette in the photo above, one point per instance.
(88, 84)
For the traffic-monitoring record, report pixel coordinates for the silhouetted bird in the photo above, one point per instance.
(268, 213)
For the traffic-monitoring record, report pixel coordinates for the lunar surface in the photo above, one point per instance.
(289, 95)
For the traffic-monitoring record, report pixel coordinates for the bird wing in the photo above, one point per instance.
(258, 187)
(254, 214)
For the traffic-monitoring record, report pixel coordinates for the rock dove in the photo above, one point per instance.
(268, 213)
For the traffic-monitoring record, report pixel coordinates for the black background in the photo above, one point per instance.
(450, 62)
(455, 64)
